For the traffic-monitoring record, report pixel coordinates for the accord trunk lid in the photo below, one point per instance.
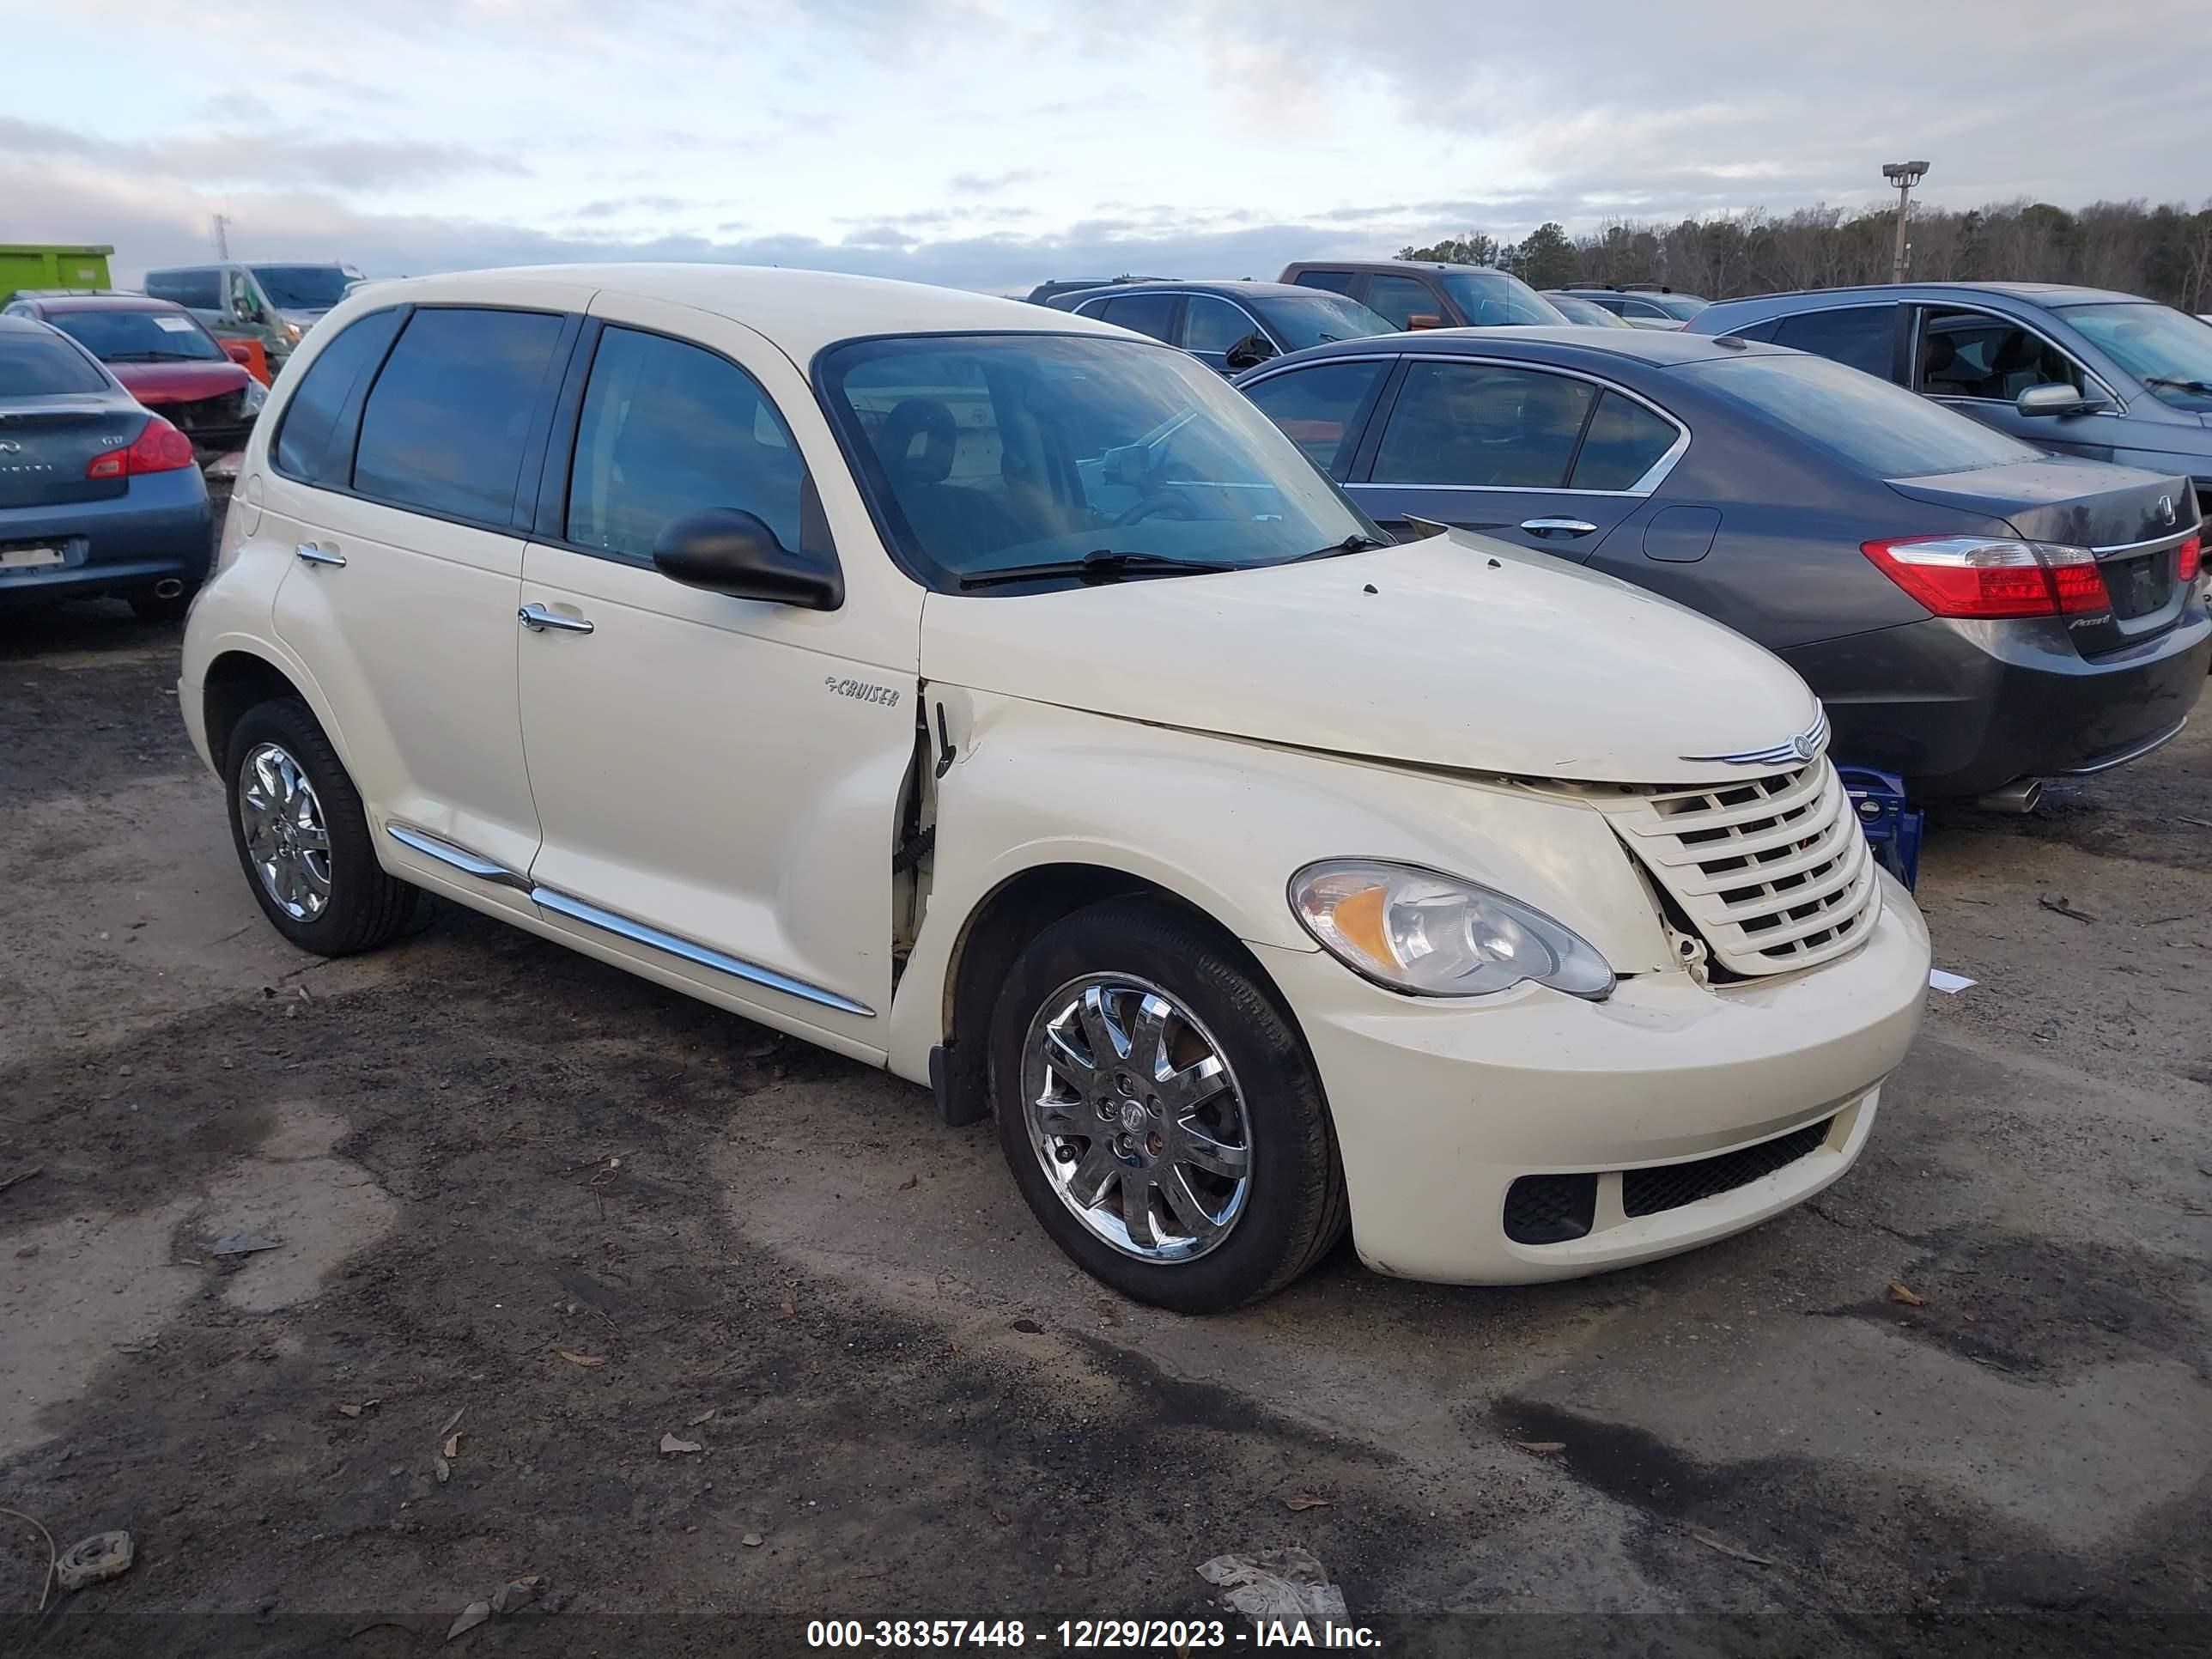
(2134, 522)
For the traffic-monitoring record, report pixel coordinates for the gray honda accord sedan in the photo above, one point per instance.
(1972, 610)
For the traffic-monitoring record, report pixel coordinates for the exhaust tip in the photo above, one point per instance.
(2021, 796)
(167, 589)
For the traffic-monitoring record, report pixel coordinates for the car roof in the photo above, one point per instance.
(2040, 293)
(800, 311)
(1660, 348)
(105, 302)
(1245, 288)
(1387, 265)
(11, 324)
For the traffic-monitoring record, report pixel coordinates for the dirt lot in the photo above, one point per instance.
(581, 1213)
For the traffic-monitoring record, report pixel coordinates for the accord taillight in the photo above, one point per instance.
(1991, 576)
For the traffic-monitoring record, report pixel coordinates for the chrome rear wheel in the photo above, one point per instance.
(287, 840)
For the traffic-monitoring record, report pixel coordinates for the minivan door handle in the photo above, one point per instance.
(537, 618)
(1557, 527)
(308, 553)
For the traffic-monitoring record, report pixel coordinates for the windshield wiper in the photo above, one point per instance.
(1355, 543)
(1100, 564)
(2204, 388)
(154, 357)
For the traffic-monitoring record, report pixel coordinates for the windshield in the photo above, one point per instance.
(140, 336)
(1880, 429)
(980, 452)
(1302, 321)
(2170, 352)
(302, 288)
(1494, 298)
(1684, 306)
(35, 364)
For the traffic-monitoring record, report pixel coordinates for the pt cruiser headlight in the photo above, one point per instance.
(1434, 935)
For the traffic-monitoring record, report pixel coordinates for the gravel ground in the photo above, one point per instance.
(578, 1213)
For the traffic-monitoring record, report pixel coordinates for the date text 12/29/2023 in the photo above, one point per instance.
(1086, 1635)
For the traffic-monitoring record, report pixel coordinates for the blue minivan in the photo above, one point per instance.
(2079, 371)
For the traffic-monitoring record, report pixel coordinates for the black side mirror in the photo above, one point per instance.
(726, 551)
(1251, 351)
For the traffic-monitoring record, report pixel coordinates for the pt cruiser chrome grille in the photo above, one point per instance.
(1772, 870)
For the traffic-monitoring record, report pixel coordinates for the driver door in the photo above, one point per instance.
(1979, 362)
(717, 778)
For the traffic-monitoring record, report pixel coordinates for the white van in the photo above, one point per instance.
(996, 696)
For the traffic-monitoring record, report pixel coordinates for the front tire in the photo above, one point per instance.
(303, 839)
(1159, 1111)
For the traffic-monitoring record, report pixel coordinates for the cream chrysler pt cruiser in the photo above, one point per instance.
(995, 696)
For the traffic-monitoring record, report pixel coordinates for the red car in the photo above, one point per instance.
(164, 358)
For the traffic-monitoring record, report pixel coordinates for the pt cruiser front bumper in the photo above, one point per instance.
(1765, 1088)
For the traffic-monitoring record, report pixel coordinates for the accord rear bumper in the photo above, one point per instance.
(1959, 709)
(159, 532)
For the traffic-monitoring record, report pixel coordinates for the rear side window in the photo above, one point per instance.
(1624, 442)
(1475, 423)
(1148, 313)
(198, 288)
(1336, 282)
(312, 412)
(1318, 408)
(35, 364)
(1878, 428)
(668, 428)
(1213, 324)
(1972, 353)
(1859, 337)
(446, 424)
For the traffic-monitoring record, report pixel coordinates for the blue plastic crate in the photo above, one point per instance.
(1893, 824)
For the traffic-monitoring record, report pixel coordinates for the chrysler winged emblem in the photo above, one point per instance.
(1802, 748)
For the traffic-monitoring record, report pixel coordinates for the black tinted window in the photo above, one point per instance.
(1213, 324)
(1336, 282)
(668, 428)
(444, 425)
(1624, 440)
(1878, 427)
(1972, 353)
(1148, 313)
(313, 409)
(33, 364)
(187, 288)
(1317, 407)
(1401, 299)
(1471, 423)
(1861, 336)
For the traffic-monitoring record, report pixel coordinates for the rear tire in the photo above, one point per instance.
(302, 837)
(1154, 1129)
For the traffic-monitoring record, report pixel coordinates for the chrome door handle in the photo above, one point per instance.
(1557, 527)
(537, 618)
(308, 553)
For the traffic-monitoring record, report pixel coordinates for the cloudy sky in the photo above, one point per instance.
(992, 143)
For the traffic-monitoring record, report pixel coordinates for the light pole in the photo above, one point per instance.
(1904, 175)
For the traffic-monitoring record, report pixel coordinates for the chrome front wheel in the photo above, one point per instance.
(287, 841)
(1136, 1118)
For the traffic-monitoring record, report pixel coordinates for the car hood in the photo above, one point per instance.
(1453, 651)
(179, 383)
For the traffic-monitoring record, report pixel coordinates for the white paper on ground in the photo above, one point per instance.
(1942, 981)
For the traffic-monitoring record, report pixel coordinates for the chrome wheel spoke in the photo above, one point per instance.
(1074, 1067)
(1193, 1145)
(1183, 1091)
(1108, 1045)
(1148, 1038)
(1190, 1209)
(1087, 1183)
(1137, 1208)
(1064, 1117)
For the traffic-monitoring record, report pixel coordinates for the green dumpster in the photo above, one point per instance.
(35, 265)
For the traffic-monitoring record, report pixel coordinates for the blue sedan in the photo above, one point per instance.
(1975, 614)
(98, 495)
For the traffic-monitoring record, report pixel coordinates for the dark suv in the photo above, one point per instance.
(1045, 292)
(1229, 326)
(1642, 304)
(2113, 377)
(1430, 295)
